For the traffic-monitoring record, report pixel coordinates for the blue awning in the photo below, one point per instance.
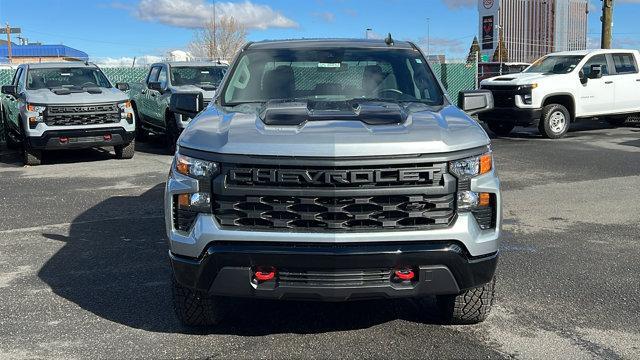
(61, 51)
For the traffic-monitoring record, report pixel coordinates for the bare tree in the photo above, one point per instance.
(219, 39)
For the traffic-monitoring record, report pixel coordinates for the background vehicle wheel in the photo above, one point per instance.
(125, 151)
(142, 135)
(9, 138)
(31, 157)
(469, 307)
(171, 133)
(195, 308)
(500, 128)
(554, 122)
(616, 121)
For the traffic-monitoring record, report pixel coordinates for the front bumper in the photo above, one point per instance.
(514, 115)
(334, 272)
(81, 138)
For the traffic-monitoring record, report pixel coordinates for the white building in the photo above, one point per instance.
(532, 28)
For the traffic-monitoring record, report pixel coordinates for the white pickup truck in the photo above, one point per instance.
(562, 87)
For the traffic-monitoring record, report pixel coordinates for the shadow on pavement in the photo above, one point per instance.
(574, 131)
(114, 264)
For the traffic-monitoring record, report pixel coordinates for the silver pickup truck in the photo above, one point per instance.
(332, 170)
(66, 105)
(151, 98)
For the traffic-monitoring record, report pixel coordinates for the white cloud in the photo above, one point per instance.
(195, 13)
(126, 61)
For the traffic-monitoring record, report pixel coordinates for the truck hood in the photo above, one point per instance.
(192, 88)
(424, 132)
(46, 96)
(520, 79)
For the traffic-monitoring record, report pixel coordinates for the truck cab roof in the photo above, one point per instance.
(592, 52)
(190, 63)
(60, 64)
(328, 43)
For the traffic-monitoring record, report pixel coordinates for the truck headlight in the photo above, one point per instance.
(480, 204)
(467, 168)
(195, 168)
(187, 206)
(126, 111)
(35, 114)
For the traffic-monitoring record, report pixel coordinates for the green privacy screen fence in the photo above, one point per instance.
(455, 77)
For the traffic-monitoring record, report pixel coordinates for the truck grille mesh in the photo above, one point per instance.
(344, 278)
(335, 213)
(82, 115)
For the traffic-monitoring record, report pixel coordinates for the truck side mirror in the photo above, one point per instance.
(596, 72)
(475, 101)
(10, 90)
(122, 86)
(189, 104)
(583, 78)
(155, 85)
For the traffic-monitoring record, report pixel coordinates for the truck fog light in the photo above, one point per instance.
(200, 202)
(470, 200)
(527, 99)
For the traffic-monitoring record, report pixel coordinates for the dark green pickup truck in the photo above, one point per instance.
(150, 99)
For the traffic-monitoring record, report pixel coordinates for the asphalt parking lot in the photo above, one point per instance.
(84, 271)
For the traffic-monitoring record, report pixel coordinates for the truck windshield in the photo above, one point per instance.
(332, 75)
(50, 78)
(555, 64)
(198, 76)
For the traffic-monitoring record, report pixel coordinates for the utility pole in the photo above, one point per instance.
(428, 36)
(607, 23)
(215, 49)
(9, 30)
(366, 33)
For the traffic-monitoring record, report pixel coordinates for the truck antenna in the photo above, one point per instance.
(389, 40)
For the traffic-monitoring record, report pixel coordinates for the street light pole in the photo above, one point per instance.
(366, 33)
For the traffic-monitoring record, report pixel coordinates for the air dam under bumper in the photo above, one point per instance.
(334, 272)
(514, 115)
(81, 138)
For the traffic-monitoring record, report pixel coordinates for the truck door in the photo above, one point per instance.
(145, 108)
(159, 100)
(627, 82)
(10, 103)
(597, 95)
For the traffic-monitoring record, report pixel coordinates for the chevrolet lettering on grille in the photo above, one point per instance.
(331, 177)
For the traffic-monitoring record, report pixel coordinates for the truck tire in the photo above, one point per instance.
(195, 308)
(8, 137)
(469, 307)
(142, 135)
(31, 156)
(554, 122)
(125, 151)
(171, 133)
(500, 128)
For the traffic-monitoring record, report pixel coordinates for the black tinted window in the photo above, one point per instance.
(197, 75)
(332, 75)
(596, 60)
(153, 74)
(625, 63)
(66, 77)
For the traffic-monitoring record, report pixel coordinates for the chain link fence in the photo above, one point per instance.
(455, 76)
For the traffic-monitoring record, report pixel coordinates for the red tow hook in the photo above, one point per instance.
(405, 274)
(265, 274)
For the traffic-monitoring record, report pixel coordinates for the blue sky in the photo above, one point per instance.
(127, 28)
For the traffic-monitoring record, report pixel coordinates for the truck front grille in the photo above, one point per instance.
(82, 115)
(309, 213)
(334, 195)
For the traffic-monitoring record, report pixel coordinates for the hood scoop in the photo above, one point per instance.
(278, 112)
(67, 91)
(504, 79)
